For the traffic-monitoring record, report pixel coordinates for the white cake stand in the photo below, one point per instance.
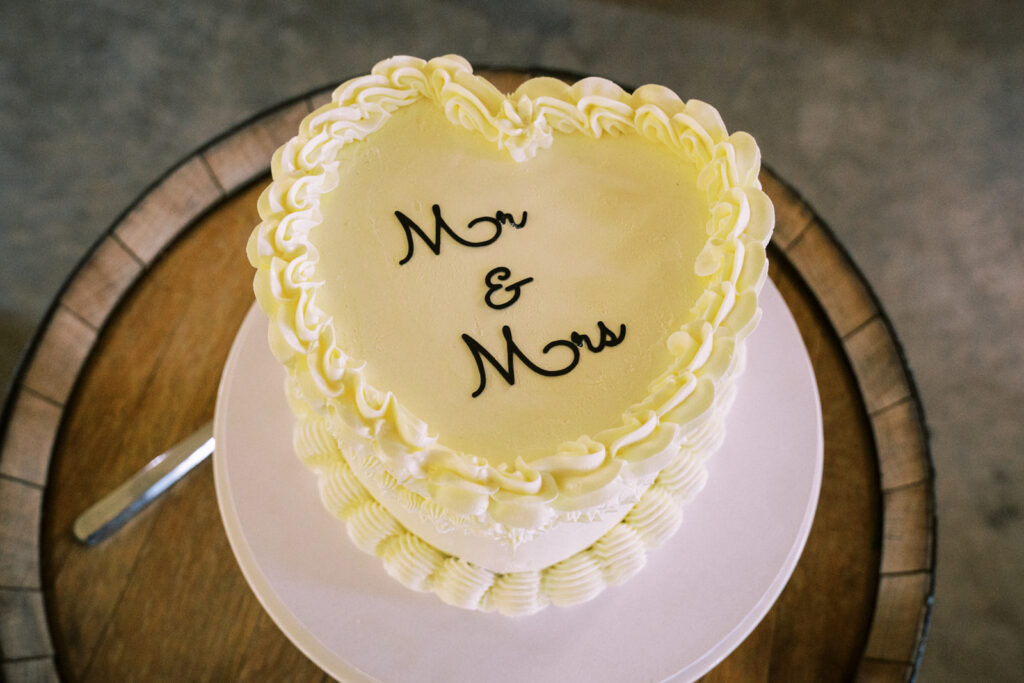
(698, 597)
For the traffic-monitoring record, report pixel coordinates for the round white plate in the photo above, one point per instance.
(699, 596)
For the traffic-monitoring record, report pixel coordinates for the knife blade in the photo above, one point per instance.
(112, 511)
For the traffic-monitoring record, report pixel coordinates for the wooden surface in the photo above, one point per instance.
(128, 361)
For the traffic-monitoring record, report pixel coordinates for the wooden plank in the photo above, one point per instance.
(268, 655)
(31, 431)
(174, 590)
(20, 513)
(122, 415)
(878, 366)
(899, 620)
(835, 580)
(792, 215)
(245, 155)
(876, 671)
(101, 282)
(168, 208)
(842, 293)
(907, 534)
(23, 629)
(96, 577)
(41, 670)
(126, 414)
(902, 445)
(59, 356)
(751, 661)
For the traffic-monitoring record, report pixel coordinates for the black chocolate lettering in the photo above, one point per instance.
(502, 273)
(501, 219)
(606, 339)
(574, 343)
(512, 351)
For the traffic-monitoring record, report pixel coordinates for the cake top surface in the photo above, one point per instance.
(516, 298)
(609, 238)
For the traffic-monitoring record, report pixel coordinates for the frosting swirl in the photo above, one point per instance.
(615, 557)
(662, 438)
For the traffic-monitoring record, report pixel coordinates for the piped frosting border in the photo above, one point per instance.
(617, 556)
(594, 469)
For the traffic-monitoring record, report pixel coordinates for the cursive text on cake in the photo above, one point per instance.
(576, 341)
(498, 221)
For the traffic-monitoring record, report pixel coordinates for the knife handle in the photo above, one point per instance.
(112, 511)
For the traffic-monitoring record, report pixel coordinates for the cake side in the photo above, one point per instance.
(533, 519)
(617, 555)
(487, 545)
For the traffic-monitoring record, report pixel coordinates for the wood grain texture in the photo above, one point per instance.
(101, 281)
(37, 670)
(239, 158)
(21, 507)
(876, 671)
(177, 327)
(836, 578)
(168, 208)
(876, 362)
(164, 599)
(23, 629)
(792, 215)
(902, 445)
(843, 294)
(900, 618)
(25, 452)
(59, 356)
(908, 534)
(178, 330)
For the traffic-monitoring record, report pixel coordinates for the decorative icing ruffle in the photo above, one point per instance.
(581, 476)
(615, 557)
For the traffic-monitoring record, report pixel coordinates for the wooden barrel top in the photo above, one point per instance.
(127, 362)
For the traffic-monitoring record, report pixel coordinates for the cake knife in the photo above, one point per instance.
(112, 511)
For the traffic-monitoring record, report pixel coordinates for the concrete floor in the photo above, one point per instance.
(902, 123)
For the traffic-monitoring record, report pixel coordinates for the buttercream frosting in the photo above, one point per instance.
(509, 503)
(615, 557)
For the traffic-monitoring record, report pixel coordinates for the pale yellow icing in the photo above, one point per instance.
(643, 188)
(490, 545)
(617, 555)
(406, 326)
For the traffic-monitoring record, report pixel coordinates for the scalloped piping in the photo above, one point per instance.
(319, 436)
(617, 556)
(302, 336)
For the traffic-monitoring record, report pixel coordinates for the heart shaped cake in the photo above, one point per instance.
(512, 324)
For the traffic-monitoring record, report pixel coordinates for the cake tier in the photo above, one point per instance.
(321, 441)
(510, 313)
(395, 524)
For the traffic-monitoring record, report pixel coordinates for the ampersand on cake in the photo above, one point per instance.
(512, 325)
